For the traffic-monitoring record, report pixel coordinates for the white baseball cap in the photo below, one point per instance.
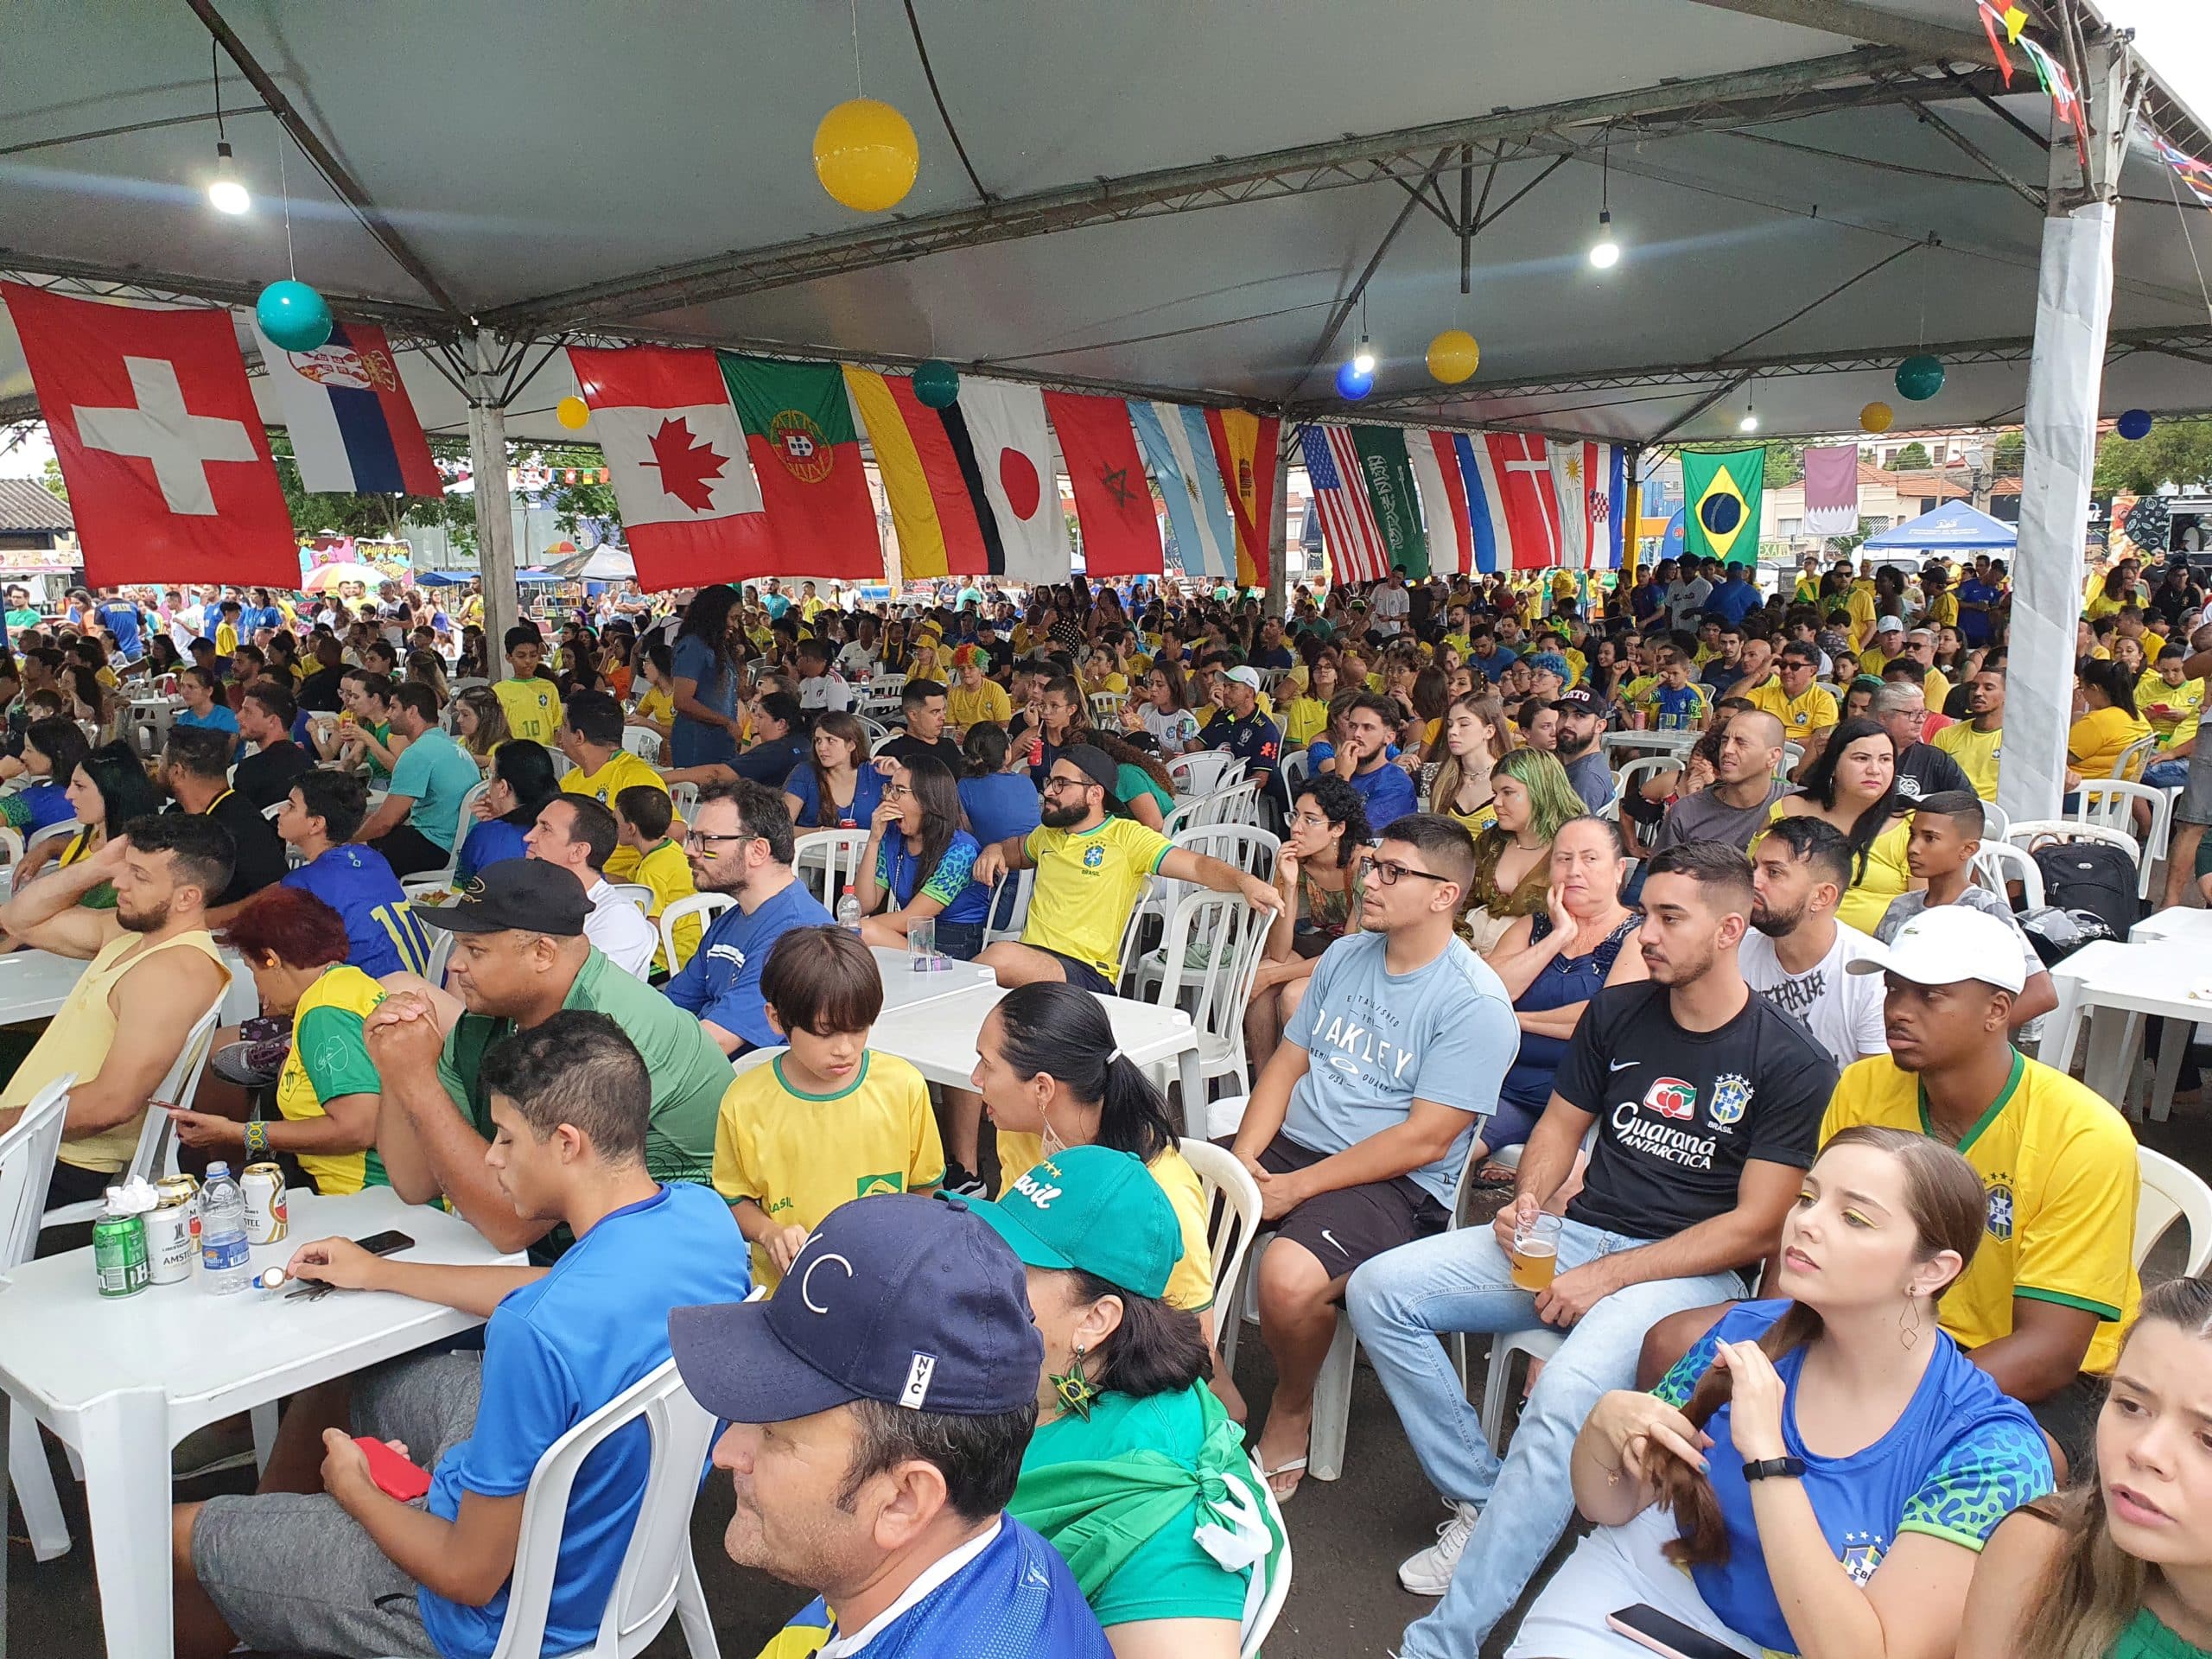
(1247, 677)
(1947, 943)
(1890, 625)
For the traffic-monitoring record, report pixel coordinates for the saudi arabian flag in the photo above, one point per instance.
(1722, 492)
(1389, 475)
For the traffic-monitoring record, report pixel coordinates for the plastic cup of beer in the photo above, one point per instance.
(1534, 1254)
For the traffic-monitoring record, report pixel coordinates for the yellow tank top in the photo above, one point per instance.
(78, 1039)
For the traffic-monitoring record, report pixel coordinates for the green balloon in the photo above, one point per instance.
(1920, 377)
(936, 385)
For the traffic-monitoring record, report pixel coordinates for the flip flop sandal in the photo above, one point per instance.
(1295, 1466)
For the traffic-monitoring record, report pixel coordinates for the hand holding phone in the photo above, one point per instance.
(395, 1475)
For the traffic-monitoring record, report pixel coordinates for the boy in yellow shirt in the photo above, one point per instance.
(828, 1119)
(643, 813)
(532, 705)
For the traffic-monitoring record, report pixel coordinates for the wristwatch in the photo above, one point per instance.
(1789, 1468)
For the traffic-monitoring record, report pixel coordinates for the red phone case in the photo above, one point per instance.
(394, 1475)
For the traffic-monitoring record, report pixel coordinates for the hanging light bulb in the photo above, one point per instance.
(1604, 252)
(224, 191)
(1363, 360)
(1750, 421)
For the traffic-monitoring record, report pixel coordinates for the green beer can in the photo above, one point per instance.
(119, 1250)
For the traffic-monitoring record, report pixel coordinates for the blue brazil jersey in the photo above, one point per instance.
(382, 935)
(1015, 1601)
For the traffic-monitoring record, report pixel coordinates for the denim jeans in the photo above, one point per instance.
(1400, 1301)
(2166, 774)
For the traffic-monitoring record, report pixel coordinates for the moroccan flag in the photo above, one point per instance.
(806, 454)
(691, 510)
(1389, 476)
(161, 445)
(1245, 448)
(1120, 530)
(1721, 492)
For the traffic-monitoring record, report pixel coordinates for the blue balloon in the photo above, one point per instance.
(2135, 423)
(1352, 386)
(293, 316)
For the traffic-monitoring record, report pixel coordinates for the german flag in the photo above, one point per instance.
(939, 506)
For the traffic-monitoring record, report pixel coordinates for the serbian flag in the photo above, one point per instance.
(353, 429)
(160, 442)
(806, 454)
(1244, 449)
(1113, 503)
(676, 456)
(1443, 502)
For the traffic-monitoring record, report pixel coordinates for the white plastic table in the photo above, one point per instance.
(122, 1382)
(2180, 922)
(34, 984)
(903, 988)
(2106, 992)
(938, 1038)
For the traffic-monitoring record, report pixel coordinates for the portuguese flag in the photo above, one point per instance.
(1721, 492)
(806, 453)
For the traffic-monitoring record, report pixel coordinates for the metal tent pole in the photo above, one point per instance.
(495, 521)
(2065, 375)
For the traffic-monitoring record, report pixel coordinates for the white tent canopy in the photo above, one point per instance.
(1163, 196)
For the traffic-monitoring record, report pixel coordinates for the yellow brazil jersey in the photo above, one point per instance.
(329, 1060)
(798, 1156)
(668, 873)
(1937, 687)
(2059, 1166)
(987, 702)
(623, 771)
(658, 706)
(1304, 719)
(2169, 707)
(227, 640)
(1190, 1285)
(2096, 743)
(1943, 611)
(533, 710)
(1088, 883)
(1860, 602)
(1800, 716)
(1977, 753)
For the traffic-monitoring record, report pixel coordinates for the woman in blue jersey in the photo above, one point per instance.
(1835, 1425)
(917, 863)
(53, 747)
(999, 804)
(522, 782)
(834, 787)
(1136, 1474)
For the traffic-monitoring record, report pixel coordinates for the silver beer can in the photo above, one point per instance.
(265, 1220)
(172, 1240)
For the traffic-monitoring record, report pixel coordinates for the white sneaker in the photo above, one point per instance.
(1429, 1573)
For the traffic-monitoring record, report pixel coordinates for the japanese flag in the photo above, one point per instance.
(1014, 453)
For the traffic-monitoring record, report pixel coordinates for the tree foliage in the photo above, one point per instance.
(1913, 457)
(2178, 453)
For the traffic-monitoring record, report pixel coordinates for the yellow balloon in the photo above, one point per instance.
(1877, 417)
(865, 155)
(1453, 356)
(572, 412)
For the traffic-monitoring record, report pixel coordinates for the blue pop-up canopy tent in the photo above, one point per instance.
(1955, 527)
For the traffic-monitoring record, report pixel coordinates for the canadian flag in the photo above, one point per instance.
(163, 451)
(692, 508)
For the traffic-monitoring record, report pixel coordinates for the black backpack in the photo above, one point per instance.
(2092, 876)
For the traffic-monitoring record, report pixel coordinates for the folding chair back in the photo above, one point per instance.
(828, 860)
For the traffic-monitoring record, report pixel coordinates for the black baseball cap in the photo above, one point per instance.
(1580, 700)
(913, 1301)
(520, 893)
(1094, 764)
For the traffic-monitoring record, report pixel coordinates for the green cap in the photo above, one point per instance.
(1092, 1209)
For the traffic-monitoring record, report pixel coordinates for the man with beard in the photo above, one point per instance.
(1581, 722)
(1736, 804)
(1977, 743)
(1796, 954)
(1703, 1101)
(166, 871)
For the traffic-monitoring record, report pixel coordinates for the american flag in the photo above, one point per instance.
(1354, 541)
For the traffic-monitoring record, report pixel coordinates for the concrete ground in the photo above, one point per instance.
(1348, 1535)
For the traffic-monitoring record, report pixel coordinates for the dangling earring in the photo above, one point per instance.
(1050, 1143)
(1073, 1388)
(1910, 1335)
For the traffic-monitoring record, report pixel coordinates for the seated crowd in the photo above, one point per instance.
(1830, 1288)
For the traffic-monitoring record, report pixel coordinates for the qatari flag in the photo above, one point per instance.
(1832, 490)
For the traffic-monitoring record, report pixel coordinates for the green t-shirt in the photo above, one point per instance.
(689, 1074)
(1130, 781)
(1168, 1575)
(24, 619)
(2146, 1638)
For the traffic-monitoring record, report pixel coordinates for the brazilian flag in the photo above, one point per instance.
(1722, 492)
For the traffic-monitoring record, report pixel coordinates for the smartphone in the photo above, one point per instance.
(394, 1475)
(1648, 1627)
(386, 1243)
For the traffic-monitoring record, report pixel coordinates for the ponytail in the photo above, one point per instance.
(1053, 1026)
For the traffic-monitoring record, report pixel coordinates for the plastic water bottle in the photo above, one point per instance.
(849, 911)
(222, 1232)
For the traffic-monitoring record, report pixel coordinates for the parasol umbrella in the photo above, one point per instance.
(325, 577)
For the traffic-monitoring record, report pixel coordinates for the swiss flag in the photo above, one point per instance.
(161, 445)
(692, 509)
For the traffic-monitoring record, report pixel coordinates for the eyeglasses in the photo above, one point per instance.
(1389, 872)
(1057, 782)
(702, 837)
(893, 792)
(1310, 820)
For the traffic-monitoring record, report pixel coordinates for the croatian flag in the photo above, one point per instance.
(353, 429)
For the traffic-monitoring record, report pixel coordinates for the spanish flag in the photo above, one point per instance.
(1246, 447)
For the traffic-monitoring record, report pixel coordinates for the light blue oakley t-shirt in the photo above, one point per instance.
(1377, 1041)
(434, 773)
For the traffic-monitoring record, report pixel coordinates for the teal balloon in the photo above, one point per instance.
(2135, 423)
(1920, 377)
(936, 385)
(293, 316)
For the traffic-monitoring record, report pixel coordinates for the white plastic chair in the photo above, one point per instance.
(1297, 766)
(61, 831)
(875, 731)
(1635, 743)
(1997, 862)
(2172, 1192)
(441, 953)
(658, 1577)
(635, 892)
(1204, 771)
(2112, 803)
(1222, 1179)
(683, 800)
(1106, 708)
(2030, 831)
(1237, 803)
(1996, 823)
(2128, 765)
(1241, 845)
(1632, 773)
(26, 1154)
(1230, 931)
(1008, 916)
(1191, 812)
(705, 905)
(156, 1152)
(827, 860)
(643, 742)
(1260, 1616)
(439, 880)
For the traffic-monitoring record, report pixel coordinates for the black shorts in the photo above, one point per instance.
(1077, 972)
(1353, 1225)
(2069, 1417)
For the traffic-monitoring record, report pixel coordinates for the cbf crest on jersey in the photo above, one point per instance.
(1732, 1098)
(2000, 1208)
